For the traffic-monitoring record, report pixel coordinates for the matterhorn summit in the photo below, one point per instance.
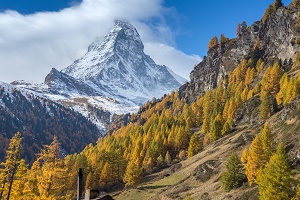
(115, 76)
(117, 66)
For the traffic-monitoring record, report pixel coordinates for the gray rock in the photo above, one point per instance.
(276, 36)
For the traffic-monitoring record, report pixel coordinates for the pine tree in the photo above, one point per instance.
(149, 165)
(283, 86)
(11, 165)
(223, 39)
(231, 109)
(133, 173)
(51, 180)
(168, 159)
(31, 186)
(213, 42)
(260, 152)
(238, 30)
(106, 178)
(271, 79)
(276, 181)
(257, 44)
(234, 175)
(296, 59)
(227, 127)
(250, 74)
(160, 161)
(254, 161)
(243, 26)
(275, 76)
(19, 183)
(297, 196)
(195, 145)
(244, 156)
(88, 182)
(291, 91)
(216, 128)
(267, 142)
(265, 107)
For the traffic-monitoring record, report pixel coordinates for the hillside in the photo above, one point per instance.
(39, 120)
(198, 177)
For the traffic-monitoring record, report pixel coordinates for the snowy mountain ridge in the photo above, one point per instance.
(118, 66)
(115, 76)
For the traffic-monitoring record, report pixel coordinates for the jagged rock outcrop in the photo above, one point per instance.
(222, 59)
(63, 84)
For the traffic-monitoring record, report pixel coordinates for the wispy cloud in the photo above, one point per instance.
(30, 45)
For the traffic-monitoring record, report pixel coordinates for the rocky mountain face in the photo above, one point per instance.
(223, 58)
(118, 67)
(39, 119)
(62, 84)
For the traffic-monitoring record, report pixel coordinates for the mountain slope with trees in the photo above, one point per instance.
(39, 120)
(243, 98)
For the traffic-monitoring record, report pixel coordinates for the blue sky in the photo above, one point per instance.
(42, 34)
(203, 19)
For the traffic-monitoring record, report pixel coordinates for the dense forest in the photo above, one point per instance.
(164, 132)
(171, 129)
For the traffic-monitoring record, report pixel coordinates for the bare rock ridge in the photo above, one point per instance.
(276, 37)
(61, 83)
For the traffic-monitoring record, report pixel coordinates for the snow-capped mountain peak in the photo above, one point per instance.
(118, 65)
(115, 76)
(121, 30)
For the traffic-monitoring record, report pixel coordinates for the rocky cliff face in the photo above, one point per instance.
(62, 84)
(222, 59)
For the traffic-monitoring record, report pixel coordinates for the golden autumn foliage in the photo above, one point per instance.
(276, 180)
(163, 131)
(213, 42)
(258, 155)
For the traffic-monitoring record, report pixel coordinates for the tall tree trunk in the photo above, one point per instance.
(1, 194)
(11, 182)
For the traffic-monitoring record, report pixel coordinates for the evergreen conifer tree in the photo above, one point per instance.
(168, 158)
(234, 175)
(51, 179)
(265, 107)
(276, 180)
(195, 145)
(213, 42)
(10, 166)
(259, 154)
(133, 173)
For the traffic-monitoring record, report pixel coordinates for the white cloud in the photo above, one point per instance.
(31, 45)
(181, 63)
